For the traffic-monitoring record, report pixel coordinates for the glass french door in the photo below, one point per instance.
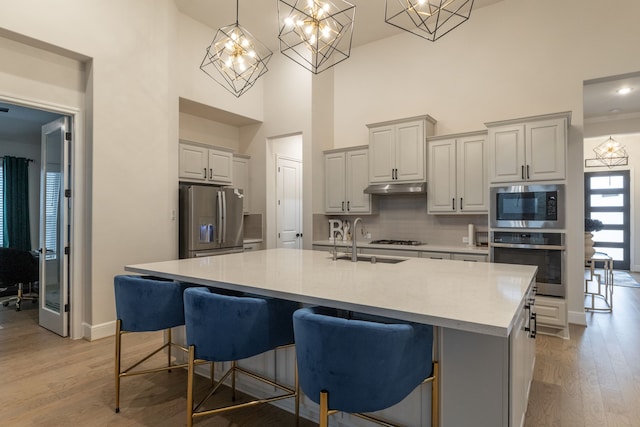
(54, 227)
(607, 198)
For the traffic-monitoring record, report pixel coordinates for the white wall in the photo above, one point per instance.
(512, 59)
(198, 129)
(131, 138)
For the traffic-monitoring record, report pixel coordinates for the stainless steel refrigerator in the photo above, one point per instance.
(210, 220)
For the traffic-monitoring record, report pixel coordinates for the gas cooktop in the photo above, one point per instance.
(396, 242)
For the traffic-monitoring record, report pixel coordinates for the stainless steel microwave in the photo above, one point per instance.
(527, 206)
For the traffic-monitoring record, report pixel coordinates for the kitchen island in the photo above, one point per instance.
(482, 312)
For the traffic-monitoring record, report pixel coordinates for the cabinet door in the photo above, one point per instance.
(357, 179)
(220, 166)
(409, 148)
(382, 153)
(334, 183)
(507, 154)
(241, 179)
(545, 150)
(472, 186)
(442, 176)
(192, 162)
(517, 370)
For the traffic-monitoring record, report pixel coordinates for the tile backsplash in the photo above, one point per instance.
(406, 218)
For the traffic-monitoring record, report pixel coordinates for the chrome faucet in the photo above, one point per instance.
(354, 247)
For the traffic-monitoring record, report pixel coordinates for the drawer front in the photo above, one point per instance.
(550, 312)
(390, 252)
(469, 257)
(435, 255)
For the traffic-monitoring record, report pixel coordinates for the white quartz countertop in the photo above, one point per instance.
(462, 249)
(469, 296)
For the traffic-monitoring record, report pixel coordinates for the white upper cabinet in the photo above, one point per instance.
(458, 174)
(204, 164)
(193, 162)
(397, 150)
(241, 178)
(346, 177)
(532, 149)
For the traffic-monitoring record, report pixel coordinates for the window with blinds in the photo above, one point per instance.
(53, 183)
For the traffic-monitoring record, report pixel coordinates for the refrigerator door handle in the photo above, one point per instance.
(224, 216)
(219, 204)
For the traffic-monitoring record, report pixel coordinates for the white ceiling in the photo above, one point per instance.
(601, 101)
(22, 123)
(260, 18)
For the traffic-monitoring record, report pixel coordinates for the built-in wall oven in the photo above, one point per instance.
(544, 250)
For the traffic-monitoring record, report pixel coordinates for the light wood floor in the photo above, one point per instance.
(593, 379)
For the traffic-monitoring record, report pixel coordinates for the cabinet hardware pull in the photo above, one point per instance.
(205, 173)
(461, 203)
(348, 206)
(453, 204)
(522, 171)
(534, 331)
(343, 206)
(210, 173)
(527, 171)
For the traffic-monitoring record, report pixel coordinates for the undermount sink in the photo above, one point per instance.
(373, 259)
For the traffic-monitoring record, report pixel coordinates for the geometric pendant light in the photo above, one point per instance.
(235, 59)
(429, 19)
(611, 153)
(316, 34)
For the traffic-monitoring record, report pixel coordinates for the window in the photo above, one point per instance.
(51, 213)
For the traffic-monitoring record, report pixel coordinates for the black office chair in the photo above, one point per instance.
(17, 269)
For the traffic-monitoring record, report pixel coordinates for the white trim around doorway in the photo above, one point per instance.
(78, 271)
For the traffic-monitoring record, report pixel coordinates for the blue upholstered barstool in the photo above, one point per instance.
(145, 304)
(227, 328)
(360, 365)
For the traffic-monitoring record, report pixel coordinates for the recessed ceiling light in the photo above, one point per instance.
(623, 91)
(615, 110)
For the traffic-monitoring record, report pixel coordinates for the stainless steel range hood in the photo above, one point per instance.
(399, 188)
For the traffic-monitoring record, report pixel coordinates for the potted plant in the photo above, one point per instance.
(590, 225)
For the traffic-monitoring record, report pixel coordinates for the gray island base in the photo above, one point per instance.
(481, 310)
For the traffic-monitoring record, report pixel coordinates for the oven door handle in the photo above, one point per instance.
(526, 246)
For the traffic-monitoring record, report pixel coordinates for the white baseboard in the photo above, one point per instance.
(95, 332)
(635, 268)
(577, 318)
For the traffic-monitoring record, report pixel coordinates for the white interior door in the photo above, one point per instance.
(54, 227)
(289, 203)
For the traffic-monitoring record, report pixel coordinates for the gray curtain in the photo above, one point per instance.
(16, 232)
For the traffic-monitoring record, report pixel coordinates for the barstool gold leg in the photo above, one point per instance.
(117, 367)
(233, 380)
(190, 386)
(324, 409)
(169, 341)
(297, 389)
